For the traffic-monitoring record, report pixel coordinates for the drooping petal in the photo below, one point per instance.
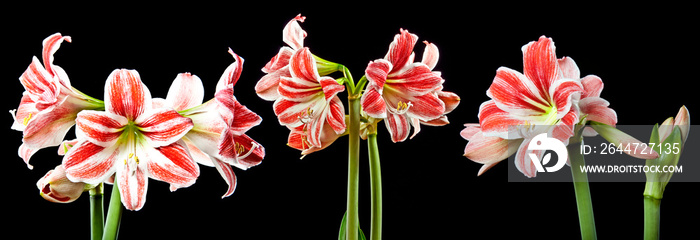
(163, 126)
(596, 109)
(540, 64)
(26, 153)
(90, 163)
(277, 62)
(99, 127)
(398, 126)
(292, 34)
(373, 103)
(227, 174)
(336, 115)
(515, 93)
(185, 92)
(23, 114)
(244, 119)
(483, 149)
(133, 184)
(172, 164)
(126, 95)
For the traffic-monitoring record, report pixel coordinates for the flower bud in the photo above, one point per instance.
(56, 187)
(672, 134)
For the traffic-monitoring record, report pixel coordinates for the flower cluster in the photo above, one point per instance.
(131, 136)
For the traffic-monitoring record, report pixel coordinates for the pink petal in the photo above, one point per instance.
(172, 164)
(426, 107)
(90, 163)
(540, 64)
(592, 86)
(126, 95)
(523, 162)
(185, 92)
(484, 150)
(197, 154)
(515, 93)
(163, 126)
(330, 87)
(26, 153)
(398, 127)
(401, 49)
(99, 127)
(244, 119)
(373, 103)
(228, 175)
(289, 112)
(569, 69)
(596, 109)
(450, 99)
(48, 128)
(430, 55)
(292, 34)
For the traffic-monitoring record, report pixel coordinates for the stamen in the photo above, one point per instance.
(252, 148)
(402, 107)
(305, 117)
(26, 119)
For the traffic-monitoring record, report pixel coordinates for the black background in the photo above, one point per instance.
(646, 56)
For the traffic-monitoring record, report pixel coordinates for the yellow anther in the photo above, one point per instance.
(136, 159)
(26, 119)
(238, 148)
(131, 155)
(402, 107)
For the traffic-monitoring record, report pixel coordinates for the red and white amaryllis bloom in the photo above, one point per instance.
(131, 139)
(218, 137)
(404, 92)
(309, 102)
(522, 105)
(49, 103)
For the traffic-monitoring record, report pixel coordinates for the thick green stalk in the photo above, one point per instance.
(114, 214)
(353, 222)
(96, 212)
(375, 173)
(583, 193)
(652, 217)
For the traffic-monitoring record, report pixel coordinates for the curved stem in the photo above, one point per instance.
(652, 217)
(375, 173)
(583, 192)
(114, 214)
(96, 212)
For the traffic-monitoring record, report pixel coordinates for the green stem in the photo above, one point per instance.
(353, 222)
(96, 212)
(583, 193)
(375, 173)
(114, 214)
(652, 217)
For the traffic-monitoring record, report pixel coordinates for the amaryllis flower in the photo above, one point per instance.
(401, 91)
(56, 187)
(131, 139)
(309, 101)
(218, 137)
(540, 100)
(278, 67)
(49, 103)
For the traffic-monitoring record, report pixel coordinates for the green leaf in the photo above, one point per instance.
(341, 232)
